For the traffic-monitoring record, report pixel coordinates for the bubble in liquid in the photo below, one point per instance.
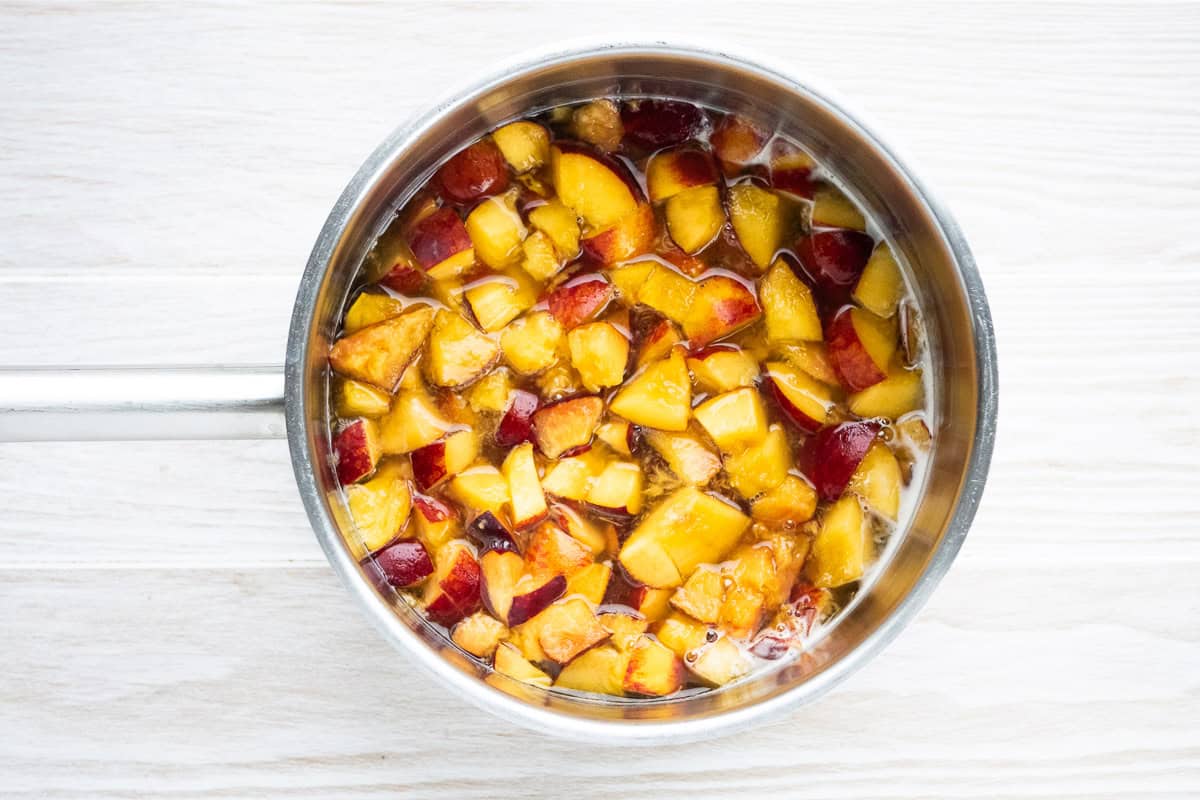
(711, 636)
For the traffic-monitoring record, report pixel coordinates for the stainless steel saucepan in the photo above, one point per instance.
(246, 403)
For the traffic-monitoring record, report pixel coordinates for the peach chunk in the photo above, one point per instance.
(685, 530)
(761, 467)
(453, 592)
(531, 600)
(379, 353)
(435, 462)
(720, 306)
(510, 662)
(539, 257)
(413, 422)
(653, 124)
(836, 453)
(861, 346)
(441, 245)
(568, 628)
(355, 399)
(458, 353)
(834, 260)
(617, 491)
(686, 456)
(832, 209)
(531, 343)
(734, 419)
(481, 488)
(695, 217)
(723, 368)
(516, 425)
(791, 312)
(567, 427)
(600, 670)
(369, 308)
(525, 145)
(404, 563)
(496, 231)
(673, 171)
(895, 396)
(812, 358)
(560, 224)
(805, 401)
(791, 169)
(437, 523)
(720, 663)
(880, 287)
(474, 172)
(357, 448)
(598, 123)
(479, 634)
(498, 299)
(736, 140)
(526, 499)
(760, 220)
(379, 507)
(630, 236)
(653, 670)
(594, 186)
(599, 352)
(790, 504)
(659, 397)
(590, 582)
(500, 571)
(877, 480)
(579, 299)
(667, 292)
(842, 547)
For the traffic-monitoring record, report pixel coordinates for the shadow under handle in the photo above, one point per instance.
(140, 403)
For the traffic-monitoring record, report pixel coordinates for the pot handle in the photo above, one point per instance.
(140, 403)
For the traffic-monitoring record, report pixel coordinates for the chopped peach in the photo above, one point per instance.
(880, 287)
(736, 140)
(652, 124)
(617, 490)
(560, 224)
(630, 236)
(667, 292)
(791, 169)
(592, 534)
(834, 260)
(356, 399)
(590, 582)
(539, 258)
(600, 670)
(379, 353)
(761, 467)
(695, 217)
(877, 480)
(734, 419)
(742, 611)
(599, 123)
(720, 306)
(840, 551)
(510, 662)
(500, 571)
(441, 245)
(835, 454)
(496, 231)
(479, 634)
(681, 633)
(405, 563)
(566, 427)
(659, 397)
(832, 209)
(656, 340)
(702, 595)
(553, 551)
(861, 346)
(437, 523)
(475, 171)
(788, 305)
(497, 300)
(579, 299)
(413, 422)
(685, 530)
(516, 425)
(532, 595)
(525, 145)
(435, 462)
(723, 368)
(616, 434)
(357, 449)
(805, 401)
(524, 487)
(720, 663)
(790, 504)
(760, 220)
(895, 396)
(595, 187)
(569, 478)
(491, 392)
(531, 344)
(559, 382)
(480, 489)
(686, 456)
(567, 628)
(629, 278)
(599, 352)
(458, 353)
(625, 628)
(379, 507)
(811, 358)
(654, 670)
(673, 171)
(453, 591)
(369, 308)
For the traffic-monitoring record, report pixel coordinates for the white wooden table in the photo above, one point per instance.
(168, 626)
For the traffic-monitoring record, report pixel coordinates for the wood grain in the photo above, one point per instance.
(167, 623)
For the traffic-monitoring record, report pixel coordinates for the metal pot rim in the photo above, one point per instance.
(543, 719)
